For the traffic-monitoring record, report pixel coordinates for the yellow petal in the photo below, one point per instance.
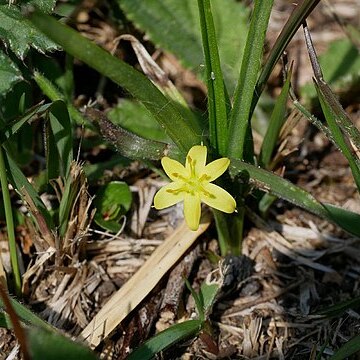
(218, 198)
(174, 170)
(216, 168)
(197, 157)
(168, 196)
(192, 211)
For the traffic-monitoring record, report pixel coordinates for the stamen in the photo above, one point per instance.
(207, 193)
(205, 177)
(177, 175)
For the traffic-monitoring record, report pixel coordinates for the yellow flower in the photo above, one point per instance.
(192, 184)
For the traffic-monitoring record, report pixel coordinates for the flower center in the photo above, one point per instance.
(192, 184)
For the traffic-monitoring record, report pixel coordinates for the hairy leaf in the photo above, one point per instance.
(174, 25)
(9, 73)
(18, 33)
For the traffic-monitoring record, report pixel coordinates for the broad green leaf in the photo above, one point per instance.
(267, 181)
(9, 73)
(133, 116)
(111, 202)
(55, 346)
(341, 68)
(174, 26)
(240, 144)
(18, 33)
(165, 339)
(349, 348)
(181, 131)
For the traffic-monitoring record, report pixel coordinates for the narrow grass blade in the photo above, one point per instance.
(19, 181)
(54, 94)
(10, 224)
(276, 122)
(199, 301)
(217, 107)
(348, 220)
(338, 136)
(284, 189)
(59, 141)
(339, 308)
(240, 140)
(166, 338)
(10, 129)
(141, 88)
(350, 348)
(341, 127)
(26, 316)
(341, 117)
(15, 321)
(300, 13)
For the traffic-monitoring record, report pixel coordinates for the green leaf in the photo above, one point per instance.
(174, 25)
(341, 67)
(18, 33)
(337, 134)
(27, 316)
(53, 345)
(5, 321)
(74, 183)
(240, 143)
(129, 144)
(54, 94)
(284, 189)
(111, 202)
(208, 293)
(296, 19)
(59, 141)
(199, 303)
(19, 181)
(217, 107)
(339, 308)
(349, 348)
(180, 131)
(276, 122)
(348, 220)
(11, 128)
(133, 116)
(9, 73)
(166, 338)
